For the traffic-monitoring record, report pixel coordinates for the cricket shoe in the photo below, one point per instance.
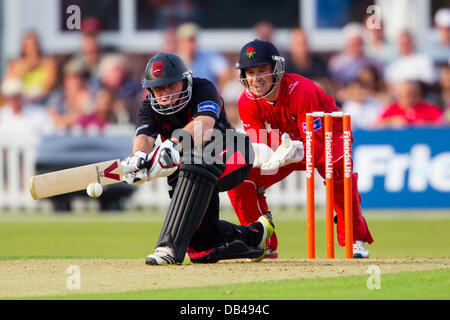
(359, 250)
(266, 221)
(271, 254)
(164, 256)
(235, 249)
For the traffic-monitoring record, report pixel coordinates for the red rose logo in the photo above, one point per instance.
(250, 52)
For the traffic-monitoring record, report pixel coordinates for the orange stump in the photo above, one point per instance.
(348, 212)
(310, 214)
(329, 222)
(329, 171)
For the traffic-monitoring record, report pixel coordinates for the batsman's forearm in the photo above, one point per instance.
(200, 129)
(143, 143)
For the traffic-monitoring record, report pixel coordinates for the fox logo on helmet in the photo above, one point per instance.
(157, 69)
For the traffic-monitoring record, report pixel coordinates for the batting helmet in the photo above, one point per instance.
(163, 69)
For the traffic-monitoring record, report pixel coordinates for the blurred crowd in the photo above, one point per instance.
(380, 83)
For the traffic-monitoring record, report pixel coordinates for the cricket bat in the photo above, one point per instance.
(75, 179)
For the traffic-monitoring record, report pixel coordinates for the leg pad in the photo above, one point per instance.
(190, 200)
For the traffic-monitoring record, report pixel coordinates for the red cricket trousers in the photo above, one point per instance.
(250, 203)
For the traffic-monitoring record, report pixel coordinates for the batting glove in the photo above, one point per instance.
(163, 161)
(133, 170)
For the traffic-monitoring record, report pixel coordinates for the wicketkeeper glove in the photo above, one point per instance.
(263, 153)
(289, 151)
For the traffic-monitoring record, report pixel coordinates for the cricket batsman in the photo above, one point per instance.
(201, 155)
(272, 110)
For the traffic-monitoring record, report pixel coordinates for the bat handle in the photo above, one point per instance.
(143, 164)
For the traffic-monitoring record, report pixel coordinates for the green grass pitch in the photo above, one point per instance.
(401, 236)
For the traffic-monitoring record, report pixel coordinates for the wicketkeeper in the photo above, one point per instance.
(272, 110)
(201, 155)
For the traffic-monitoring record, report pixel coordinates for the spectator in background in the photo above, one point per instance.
(170, 40)
(444, 97)
(90, 55)
(68, 103)
(230, 94)
(91, 52)
(373, 82)
(345, 66)
(439, 51)
(91, 26)
(19, 117)
(264, 30)
(377, 46)
(106, 111)
(37, 72)
(205, 64)
(115, 76)
(410, 65)
(363, 108)
(409, 108)
(302, 61)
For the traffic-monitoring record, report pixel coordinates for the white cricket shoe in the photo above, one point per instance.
(164, 256)
(359, 250)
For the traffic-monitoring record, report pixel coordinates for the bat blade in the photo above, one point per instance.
(75, 179)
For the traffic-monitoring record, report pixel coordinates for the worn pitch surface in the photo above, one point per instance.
(22, 278)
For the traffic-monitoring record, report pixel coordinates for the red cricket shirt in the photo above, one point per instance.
(297, 96)
(421, 113)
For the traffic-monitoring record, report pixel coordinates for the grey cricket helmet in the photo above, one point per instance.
(163, 69)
